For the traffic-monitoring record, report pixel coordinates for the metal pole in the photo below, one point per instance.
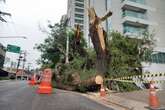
(67, 49)
(19, 60)
(24, 60)
(24, 37)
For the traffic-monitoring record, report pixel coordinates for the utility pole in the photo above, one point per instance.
(29, 64)
(11, 66)
(68, 30)
(67, 49)
(24, 60)
(19, 60)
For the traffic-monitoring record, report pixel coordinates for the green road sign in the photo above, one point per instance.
(13, 48)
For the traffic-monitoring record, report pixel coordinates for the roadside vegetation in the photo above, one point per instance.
(126, 55)
(4, 78)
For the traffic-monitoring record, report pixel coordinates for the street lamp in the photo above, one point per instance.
(24, 37)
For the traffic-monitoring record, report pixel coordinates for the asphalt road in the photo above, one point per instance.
(18, 95)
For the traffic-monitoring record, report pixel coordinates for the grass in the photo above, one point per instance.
(4, 78)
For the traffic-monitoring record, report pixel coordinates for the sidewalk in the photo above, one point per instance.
(118, 103)
(2, 81)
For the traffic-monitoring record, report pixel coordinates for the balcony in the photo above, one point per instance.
(134, 14)
(79, 16)
(137, 20)
(81, 1)
(136, 5)
(79, 5)
(134, 31)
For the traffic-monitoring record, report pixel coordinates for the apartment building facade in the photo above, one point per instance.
(77, 14)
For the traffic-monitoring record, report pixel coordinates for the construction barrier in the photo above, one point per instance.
(102, 91)
(144, 76)
(32, 81)
(159, 79)
(153, 99)
(45, 86)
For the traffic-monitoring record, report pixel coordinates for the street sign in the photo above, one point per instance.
(13, 48)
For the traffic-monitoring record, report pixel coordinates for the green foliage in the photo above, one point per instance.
(86, 74)
(81, 88)
(128, 53)
(54, 47)
(4, 78)
(126, 87)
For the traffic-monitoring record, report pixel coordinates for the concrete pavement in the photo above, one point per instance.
(18, 95)
(137, 100)
(142, 96)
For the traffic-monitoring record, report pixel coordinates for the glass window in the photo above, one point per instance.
(80, 0)
(79, 10)
(79, 21)
(134, 29)
(134, 14)
(79, 15)
(158, 58)
(79, 5)
(137, 1)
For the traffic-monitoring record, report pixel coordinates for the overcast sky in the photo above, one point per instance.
(26, 16)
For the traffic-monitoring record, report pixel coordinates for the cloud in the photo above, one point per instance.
(26, 14)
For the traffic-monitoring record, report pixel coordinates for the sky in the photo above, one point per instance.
(27, 15)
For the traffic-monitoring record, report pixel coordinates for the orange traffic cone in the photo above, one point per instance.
(153, 99)
(45, 85)
(102, 91)
(32, 81)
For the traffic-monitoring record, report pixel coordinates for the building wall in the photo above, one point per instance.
(101, 11)
(158, 15)
(2, 51)
(116, 19)
(2, 55)
(71, 15)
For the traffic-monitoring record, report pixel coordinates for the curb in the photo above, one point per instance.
(98, 100)
(2, 81)
(119, 102)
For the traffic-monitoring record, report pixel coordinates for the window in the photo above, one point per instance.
(134, 29)
(79, 10)
(80, 0)
(79, 21)
(134, 14)
(137, 1)
(79, 5)
(158, 58)
(79, 15)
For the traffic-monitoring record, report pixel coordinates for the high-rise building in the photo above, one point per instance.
(77, 14)
(130, 17)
